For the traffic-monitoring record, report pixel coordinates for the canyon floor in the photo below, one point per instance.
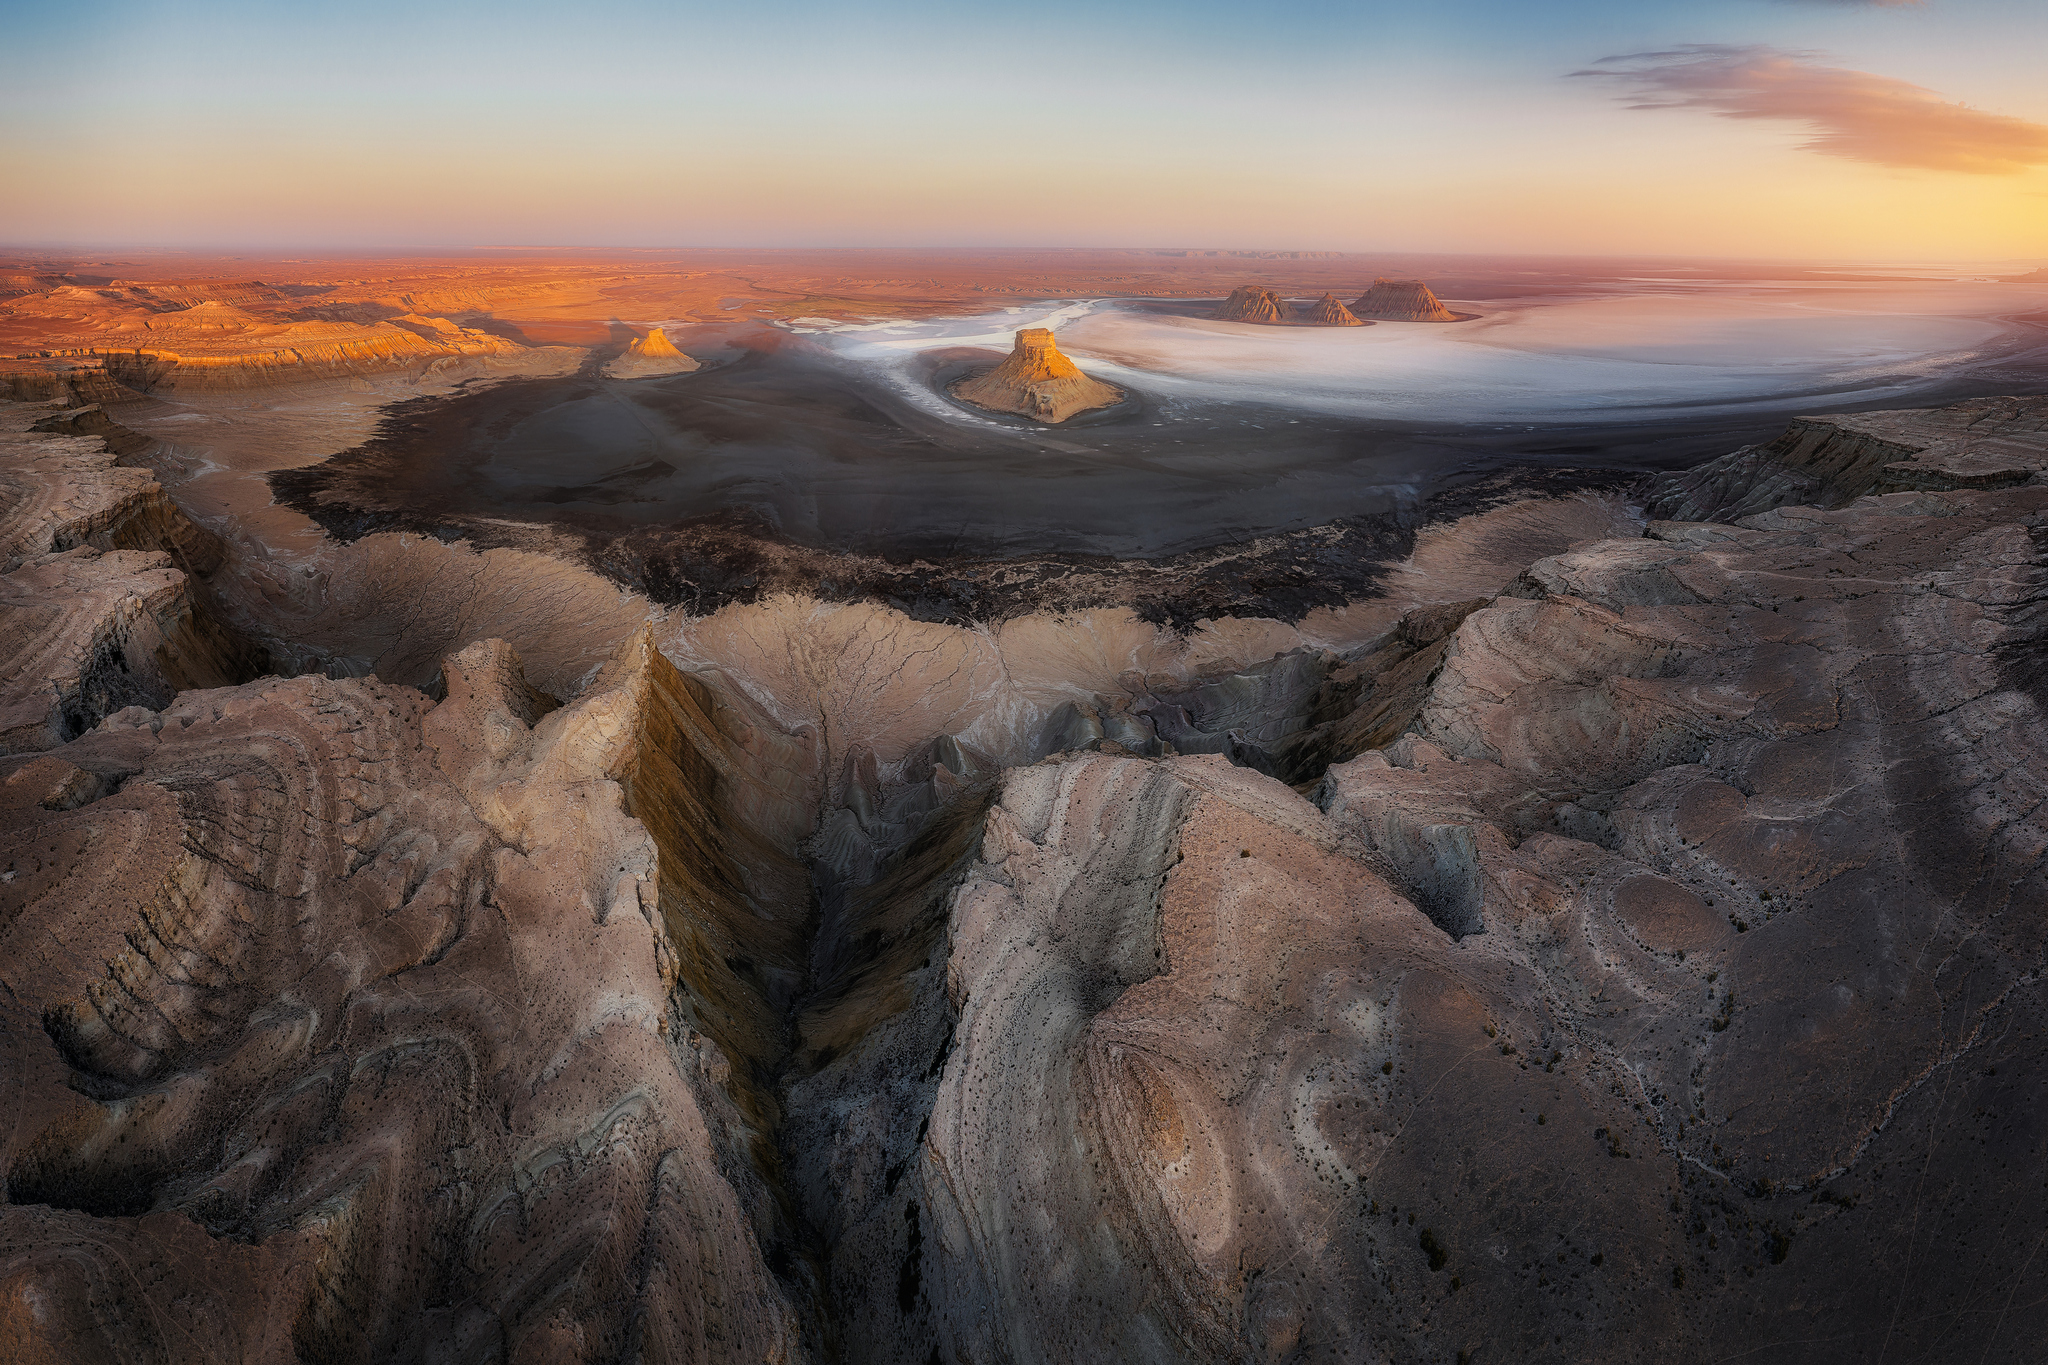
(504, 863)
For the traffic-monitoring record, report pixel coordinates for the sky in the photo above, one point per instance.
(1852, 130)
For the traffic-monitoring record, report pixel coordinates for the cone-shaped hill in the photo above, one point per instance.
(648, 356)
(1037, 381)
(1327, 312)
(1252, 303)
(1401, 301)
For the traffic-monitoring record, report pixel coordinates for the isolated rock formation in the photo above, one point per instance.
(1401, 301)
(1828, 461)
(1327, 312)
(1037, 381)
(648, 356)
(1253, 303)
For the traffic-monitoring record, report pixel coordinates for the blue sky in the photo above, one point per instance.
(1454, 125)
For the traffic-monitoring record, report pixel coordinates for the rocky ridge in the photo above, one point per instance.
(1592, 970)
(1832, 460)
(103, 602)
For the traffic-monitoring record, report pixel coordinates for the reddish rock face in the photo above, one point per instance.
(1252, 303)
(1037, 381)
(1401, 301)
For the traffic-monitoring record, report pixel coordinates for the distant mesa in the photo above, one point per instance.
(1254, 303)
(1327, 312)
(1401, 301)
(1251, 303)
(2038, 277)
(649, 356)
(1037, 381)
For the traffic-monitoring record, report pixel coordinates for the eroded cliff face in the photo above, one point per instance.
(358, 1011)
(1828, 461)
(102, 596)
(1602, 946)
(1621, 1007)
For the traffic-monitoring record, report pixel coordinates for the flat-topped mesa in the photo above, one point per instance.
(1401, 301)
(648, 356)
(1253, 303)
(1327, 312)
(1037, 381)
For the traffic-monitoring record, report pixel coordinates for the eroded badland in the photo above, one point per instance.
(1598, 915)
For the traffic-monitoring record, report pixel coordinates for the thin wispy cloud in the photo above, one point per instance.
(1850, 114)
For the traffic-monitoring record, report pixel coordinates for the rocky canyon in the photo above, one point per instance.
(1592, 910)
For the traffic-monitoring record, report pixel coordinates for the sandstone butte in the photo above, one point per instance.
(648, 356)
(1401, 301)
(1252, 303)
(1327, 312)
(1037, 381)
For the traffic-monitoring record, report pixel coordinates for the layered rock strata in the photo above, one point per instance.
(345, 1026)
(1389, 300)
(1037, 381)
(1828, 461)
(649, 356)
(1327, 312)
(101, 598)
(1643, 962)
(1620, 1008)
(1252, 303)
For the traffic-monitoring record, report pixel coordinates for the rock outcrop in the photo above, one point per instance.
(649, 356)
(1253, 303)
(1327, 312)
(1828, 461)
(1037, 381)
(101, 597)
(69, 382)
(1391, 300)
